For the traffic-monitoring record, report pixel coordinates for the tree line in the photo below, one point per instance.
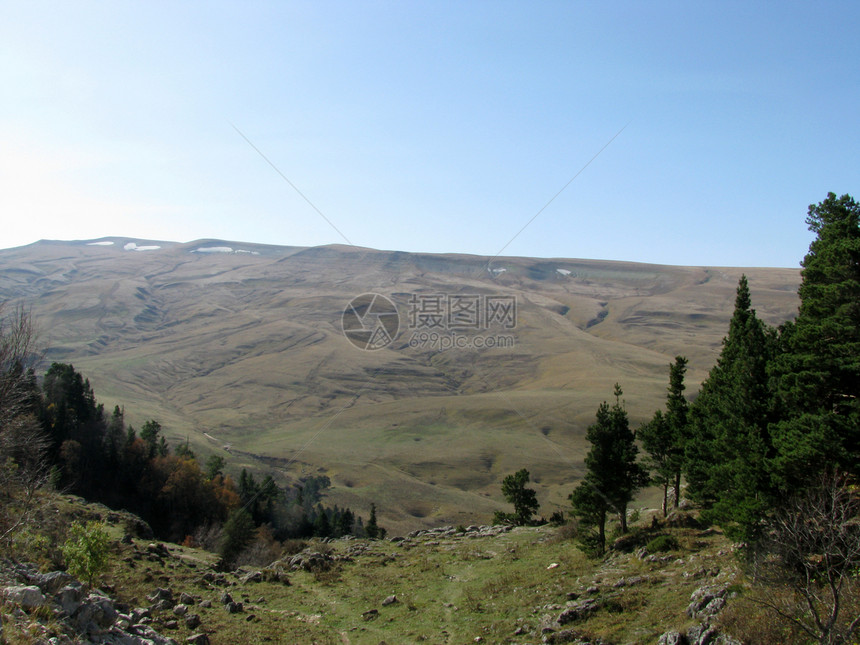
(53, 430)
(780, 408)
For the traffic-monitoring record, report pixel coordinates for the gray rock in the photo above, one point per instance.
(701, 635)
(186, 598)
(69, 598)
(180, 609)
(310, 561)
(192, 621)
(26, 597)
(390, 600)
(96, 613)
(162, 605)
(253, 576)
(370, 614)
(51, 583)
(672, 638)
(234, 607)
(578, 611)
(706, 601)
(197, 639)
(160, 594)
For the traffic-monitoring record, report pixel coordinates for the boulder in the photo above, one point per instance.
(672, 638)
(253, 576)
(310, 561)
(578, 611)
(69, 598)
(26, 597)
(51, 583)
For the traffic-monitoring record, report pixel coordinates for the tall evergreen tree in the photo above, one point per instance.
(613, 474)
(818, 372)
(372, 528)
(665, 436)
(727, 455)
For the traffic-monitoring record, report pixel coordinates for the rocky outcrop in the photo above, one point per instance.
(705, 603)
(87, 616)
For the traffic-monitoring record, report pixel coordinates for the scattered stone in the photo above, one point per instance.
(206, 604)
(180, 609)
(554, 565)
(192, 621)
(51, 583)
(390, 600)
(672, 638)
(253, 576)
(234, 607)
(370, 614)
(226, 598)
(157, 549)
(706, 601)
(171, 624)
(578, 611)
(186, 598)
(567, 636)
(310, 561)
(26, 597)
(197, 639)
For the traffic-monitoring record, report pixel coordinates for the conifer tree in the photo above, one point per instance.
(524, 499)
(613, 475)
(665, 436)
(818, 372)
(372, 528)
(728, 453)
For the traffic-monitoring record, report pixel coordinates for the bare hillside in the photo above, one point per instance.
(241, 347)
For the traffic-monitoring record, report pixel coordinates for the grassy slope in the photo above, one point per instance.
(248, 350)
(450, 588)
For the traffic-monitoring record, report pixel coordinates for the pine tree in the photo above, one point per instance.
(524, 499)
(728, 453)
(613, 475)
(665, 436)
(818, 373)
(237, 533)
(371, 529)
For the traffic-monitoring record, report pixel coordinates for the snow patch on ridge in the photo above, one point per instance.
(213, 249)
(105, 243)
(131, 246)
(222, 249)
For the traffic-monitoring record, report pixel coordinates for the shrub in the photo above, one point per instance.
(662, 543)
(86, 550)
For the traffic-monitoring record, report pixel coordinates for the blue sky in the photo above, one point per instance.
(432, 126)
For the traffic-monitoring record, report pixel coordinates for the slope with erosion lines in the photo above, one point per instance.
(245, 345)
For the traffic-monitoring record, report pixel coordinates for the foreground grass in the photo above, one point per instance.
(450, 589)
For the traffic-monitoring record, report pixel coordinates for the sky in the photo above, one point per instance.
(689, 133)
